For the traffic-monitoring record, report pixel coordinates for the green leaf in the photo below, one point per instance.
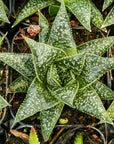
(94, 68)
(20, 85)
(61, 35)
(22, 63)
(37, 99)
(111, 111)
(73, 63)
(107, 3)
(3, 102)
(3, 16)
(78, 139)
(49, 119)
(96, 16)
(89, 102)
(53, 10)
(97, 46)
(66, 94)
(45, 29)
(33, 137)
(109, 20)
(32, 7)
(1, 40)
(43, 55)
(81, 9)
(104, 92)
(53, 78)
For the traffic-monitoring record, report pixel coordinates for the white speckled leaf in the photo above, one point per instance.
(81, 9)
(67, 94)
(43, 55)
(73, 63)
(32, 7)
(97, 46)
(22, 63)
(104, 92)
(49, 119)
(20, 85)
(111, 111)
(96, 16)
(37, 99)
(3, 102)
(53, 78)
(89, 102)
(61, 35)
(107, 3)
(94, 68)
(44, 29)
(109, 20)
(3, 16)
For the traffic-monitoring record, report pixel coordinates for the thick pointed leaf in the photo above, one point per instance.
(22, 63)
(33, 139)
(111, 111)
(107, 3)
(89, 102)
(104, 92)
(94, 68)
(37, 99)
(73, 63)
(81, 9)
(3, 16)
(49, 119)
(43, 55)
(20, 85)
(61, 35)
(3, 102)
(97, 46)
(32, 7)
(45, 29)
(96, 16)
(66, 94)
(53, 78)
(109, 20)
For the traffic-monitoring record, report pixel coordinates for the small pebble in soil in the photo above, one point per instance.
(33, 30)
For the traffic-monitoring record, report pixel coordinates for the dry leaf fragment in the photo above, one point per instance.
(21, 135)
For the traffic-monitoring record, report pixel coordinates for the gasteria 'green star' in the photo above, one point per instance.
(57, 72)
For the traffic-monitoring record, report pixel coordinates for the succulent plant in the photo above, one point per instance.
(57, 72)
(83, 10)
(3, 10)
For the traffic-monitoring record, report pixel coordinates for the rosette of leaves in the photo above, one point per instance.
(84, 11)
(58, 72)
(3, 11)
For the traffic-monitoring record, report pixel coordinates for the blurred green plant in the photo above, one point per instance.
(33, 137)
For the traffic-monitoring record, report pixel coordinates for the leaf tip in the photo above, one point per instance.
(102, 26)
(32, 130)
